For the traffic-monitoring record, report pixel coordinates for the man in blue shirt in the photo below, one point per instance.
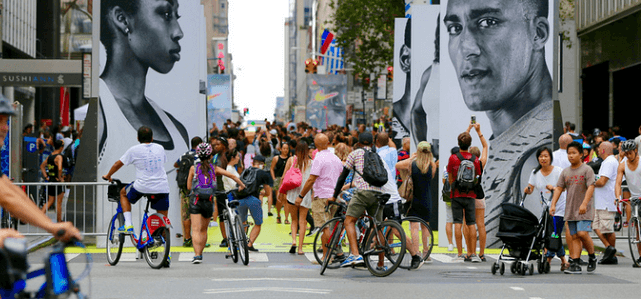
(388, 154)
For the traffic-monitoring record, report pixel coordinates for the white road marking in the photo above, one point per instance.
(536, 298)
(444, 258)
(186, 256)
(517, 288)
(258, 257)
(128, 257)
(494, 256)
(71, 256)
(310, 256)
(268, 279)
(472, 267)
(268, 289)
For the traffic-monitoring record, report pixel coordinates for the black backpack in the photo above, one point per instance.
(186, 162)
(466, 175)
(248, 177)
(68, 157)
(374, 172)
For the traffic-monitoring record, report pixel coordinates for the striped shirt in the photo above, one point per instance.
(356, 159)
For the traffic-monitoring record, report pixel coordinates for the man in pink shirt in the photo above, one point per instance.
(326, 168)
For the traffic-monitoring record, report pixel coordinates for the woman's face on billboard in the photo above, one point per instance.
(155, 33)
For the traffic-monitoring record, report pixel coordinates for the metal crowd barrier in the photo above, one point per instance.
(83, 204)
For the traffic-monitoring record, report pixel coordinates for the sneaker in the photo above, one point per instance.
(187, 243)
(573, 269)
(416, 262)
(475, 259)
(609, 253)
(251, 248)
(582, 262)
(224, 243)
(591, 265)
(197, 259)
(352, 261)
(270, 214)
(339, 258)
(382, 268)
(168, 262)
(638, 264)
(459, 259)
(127, 230)
(450, 247)
(611, 261)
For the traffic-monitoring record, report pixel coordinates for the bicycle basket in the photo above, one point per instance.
(113, 193)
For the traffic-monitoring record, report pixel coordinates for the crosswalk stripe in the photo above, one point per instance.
(186, 256)
(128, 257)
(310, 256)
(443, 258)
(71, 256)
(258, 257)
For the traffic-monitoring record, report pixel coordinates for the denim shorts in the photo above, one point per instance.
(579, 226)
(254, 206)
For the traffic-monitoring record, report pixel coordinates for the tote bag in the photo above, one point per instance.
(292, 179)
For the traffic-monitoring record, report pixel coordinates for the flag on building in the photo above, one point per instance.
(333, 60)
(326, 41)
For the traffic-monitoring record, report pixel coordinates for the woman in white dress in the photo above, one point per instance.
(298, 212)
(544, 178)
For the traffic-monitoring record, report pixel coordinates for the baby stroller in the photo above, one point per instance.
(524, 236)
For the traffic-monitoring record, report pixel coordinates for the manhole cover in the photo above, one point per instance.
(475, 275)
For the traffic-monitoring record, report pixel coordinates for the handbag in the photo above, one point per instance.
(292, 179)
(478, 189)
(406, 190)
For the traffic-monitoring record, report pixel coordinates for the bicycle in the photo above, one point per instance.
(423, 239)
(58, 281)
(376, 252)
(634, 231)
(154, 242)
(236, 236)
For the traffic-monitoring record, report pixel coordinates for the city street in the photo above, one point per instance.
(282, 275)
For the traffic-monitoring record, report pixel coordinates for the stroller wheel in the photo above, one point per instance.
(495, 266)
(502, 270)
(531, 268)
(540, 266)
(513, 268)
(523, 268)
(546, 266)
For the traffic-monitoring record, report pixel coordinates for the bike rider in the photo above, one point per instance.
(151, 180)
(630, 168)
(14, 200)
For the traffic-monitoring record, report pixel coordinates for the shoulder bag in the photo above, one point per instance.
(292, 179)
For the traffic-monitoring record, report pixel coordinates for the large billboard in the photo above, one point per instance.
(402, 83)
(151, 65)
(218, 100)
(497, 64)
(326, 100)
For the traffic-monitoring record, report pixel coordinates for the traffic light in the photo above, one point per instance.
(390, 73)
(311, 65)
(245, 111)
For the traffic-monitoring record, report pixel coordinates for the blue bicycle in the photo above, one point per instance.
(154, 238)
(58, 284)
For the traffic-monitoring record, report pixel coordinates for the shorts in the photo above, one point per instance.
(254, 206)
(221, 204)
(364, 200)
(560, 224)
(448, 213)
(604, 221)
(318, 211)
(460, 204)
(184, 205)
(480, 203)
(394, 211)
(275, 193)
(579, 226)
(200, 206)
(55, 190)
(159, 201)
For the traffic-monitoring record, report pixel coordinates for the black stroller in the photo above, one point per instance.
(524, 236)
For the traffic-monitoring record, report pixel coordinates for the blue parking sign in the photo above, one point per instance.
(30, 144)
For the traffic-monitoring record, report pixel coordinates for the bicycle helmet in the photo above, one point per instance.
(204, 150)
(628, 145)
(5, 106)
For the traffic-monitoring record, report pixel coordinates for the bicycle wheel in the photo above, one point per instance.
(422, 240)
(633, 240)
(343, 245)
(241, 241)
(381, 258)
(332, 248)
(115, 242)
(231, 238)
(156, 253)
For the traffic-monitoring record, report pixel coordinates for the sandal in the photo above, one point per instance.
(286, 221)
(565, 266)
(482, 257)
(292, 250)
(278, 220)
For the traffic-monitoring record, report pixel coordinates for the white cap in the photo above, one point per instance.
(273, 132)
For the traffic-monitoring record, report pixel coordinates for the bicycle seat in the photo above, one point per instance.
(383, 198)
(234, 204)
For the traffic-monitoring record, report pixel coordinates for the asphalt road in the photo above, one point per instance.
(283, 275)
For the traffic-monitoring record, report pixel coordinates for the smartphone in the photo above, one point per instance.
(473, 119)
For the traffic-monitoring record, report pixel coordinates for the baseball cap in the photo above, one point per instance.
(259, 158)
(365, 138)
(5, 106)
(273, 132)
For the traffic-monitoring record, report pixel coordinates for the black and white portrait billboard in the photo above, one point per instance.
(402, 82)
(497, 64)
(151, 63)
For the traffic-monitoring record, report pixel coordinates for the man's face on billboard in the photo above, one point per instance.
(490, 45)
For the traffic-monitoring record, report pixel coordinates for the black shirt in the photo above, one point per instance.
(263, 177)
(280, 166)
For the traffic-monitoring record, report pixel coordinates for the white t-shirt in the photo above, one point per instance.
(229, 183)
(390, 187)
(66, 141)
(539, 181)
(604, 196)
(560, 159)
(149, 159)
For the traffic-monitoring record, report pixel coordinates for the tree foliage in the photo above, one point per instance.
(365, 32)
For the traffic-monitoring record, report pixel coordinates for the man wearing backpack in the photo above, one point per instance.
(184, 163)
(254, 178)
(463, 168)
